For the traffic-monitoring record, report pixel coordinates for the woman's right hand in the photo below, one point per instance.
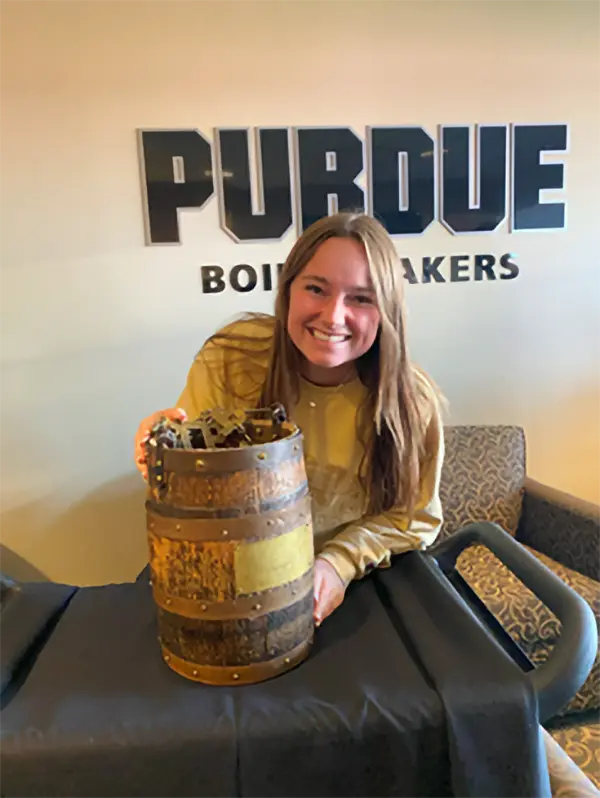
(143, 433)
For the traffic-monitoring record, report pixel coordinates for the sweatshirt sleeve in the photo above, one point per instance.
(228, 375)
(201, 391)
(371, 541)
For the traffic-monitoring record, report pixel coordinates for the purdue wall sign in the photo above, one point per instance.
(471, 180)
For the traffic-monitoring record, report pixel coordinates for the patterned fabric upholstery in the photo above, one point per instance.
(570, 754)
(561, 527)
(582, 744)
(529, 622)
(483, 479)
(482, 476)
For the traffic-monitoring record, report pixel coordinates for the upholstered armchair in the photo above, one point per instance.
(485, 479)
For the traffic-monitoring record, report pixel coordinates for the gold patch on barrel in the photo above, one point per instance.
(270, 563)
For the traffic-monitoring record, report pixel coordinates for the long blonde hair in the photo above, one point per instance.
(392, 422)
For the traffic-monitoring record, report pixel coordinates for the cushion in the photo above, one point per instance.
(524, 617)
(582, 743)
(482, 476)
(562, 526)
(566, 777)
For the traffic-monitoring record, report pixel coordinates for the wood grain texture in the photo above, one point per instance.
(241, 641)
(194, 571)
(231, 559)
(238, 493)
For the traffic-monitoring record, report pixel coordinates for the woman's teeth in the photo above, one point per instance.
(334, 339)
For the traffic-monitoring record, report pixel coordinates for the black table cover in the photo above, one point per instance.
(404, 694)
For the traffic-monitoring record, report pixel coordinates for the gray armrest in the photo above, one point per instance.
(560, 677)
(561, 526)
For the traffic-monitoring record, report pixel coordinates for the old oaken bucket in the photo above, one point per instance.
(230, 545)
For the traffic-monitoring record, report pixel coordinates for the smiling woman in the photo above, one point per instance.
(335, 356)
(333, 317)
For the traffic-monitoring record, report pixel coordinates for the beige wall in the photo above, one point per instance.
(98, 330)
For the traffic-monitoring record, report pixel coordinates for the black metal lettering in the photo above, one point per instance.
(458, 267)
(511, 268)
(267, 280)
(330, 160)
(249, 271)
(403, 199)
(484, 264)
(489, 209)
(530, 176)
(212, 279)
(273, 162)
(409, 272)
(430, 269)
(177, 168)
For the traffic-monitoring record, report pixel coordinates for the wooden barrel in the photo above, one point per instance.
(231, 558)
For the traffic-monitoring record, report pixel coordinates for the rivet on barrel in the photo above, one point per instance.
(257, 607)
(203, 607)
(286, 661)
(262, 455)
(167, 601)
(167, 658)
(199, 463)
(225, 532)
(151, 524)
(159, 478)
(194, 673)
(159, 462)
(235, 676)
(178, 527)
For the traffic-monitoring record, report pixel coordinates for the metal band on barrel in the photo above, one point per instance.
(242, 674)
(226, 461)
(277, 598)
(247, 527)
(267, 505)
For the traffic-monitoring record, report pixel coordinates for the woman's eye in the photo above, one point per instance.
(315, 289)
(363, 300)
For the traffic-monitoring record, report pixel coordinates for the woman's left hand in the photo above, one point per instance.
(329, 590)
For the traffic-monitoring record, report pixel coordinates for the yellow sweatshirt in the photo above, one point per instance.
(344, 536)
